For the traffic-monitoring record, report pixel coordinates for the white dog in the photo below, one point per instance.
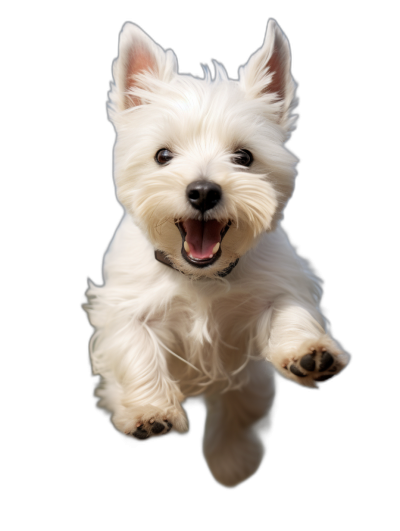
(203, 292)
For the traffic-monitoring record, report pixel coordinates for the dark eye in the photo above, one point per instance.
(163, 156)
(243, 157)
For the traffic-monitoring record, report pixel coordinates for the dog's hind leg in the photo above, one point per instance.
(231, 445)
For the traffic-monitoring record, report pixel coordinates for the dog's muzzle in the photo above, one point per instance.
(201, 240)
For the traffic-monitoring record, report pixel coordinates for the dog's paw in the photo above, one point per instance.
(319, 363)
(145, 429)
(146, 422)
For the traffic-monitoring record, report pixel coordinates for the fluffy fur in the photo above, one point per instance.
(163, 334)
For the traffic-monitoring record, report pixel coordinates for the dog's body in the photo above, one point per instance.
(202, 172)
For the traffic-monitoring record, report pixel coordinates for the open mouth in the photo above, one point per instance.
(201, 240)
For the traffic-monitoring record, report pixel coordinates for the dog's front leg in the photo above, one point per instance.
(135, 384)
(299, 345)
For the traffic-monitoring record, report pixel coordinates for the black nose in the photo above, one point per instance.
(203, 195)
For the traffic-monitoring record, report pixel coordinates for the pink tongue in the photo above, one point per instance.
(202, 236)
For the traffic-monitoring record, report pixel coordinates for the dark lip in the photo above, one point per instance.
(208, 261)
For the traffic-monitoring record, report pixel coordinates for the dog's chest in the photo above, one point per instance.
(213, 333)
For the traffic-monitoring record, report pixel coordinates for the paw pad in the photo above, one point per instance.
(314, 364)
(308, 362)
(152, 427)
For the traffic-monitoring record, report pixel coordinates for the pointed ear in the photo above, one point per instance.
(138, 54)
(267, 73)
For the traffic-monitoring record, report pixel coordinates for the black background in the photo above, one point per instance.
(320, 451)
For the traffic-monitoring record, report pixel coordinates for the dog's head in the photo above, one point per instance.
(200, 164)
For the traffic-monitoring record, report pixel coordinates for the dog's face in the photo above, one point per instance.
(200, 164)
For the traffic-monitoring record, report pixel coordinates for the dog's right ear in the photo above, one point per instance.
(138, 54)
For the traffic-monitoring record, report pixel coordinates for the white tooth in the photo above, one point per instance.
(186, 246)
(215, 248)
(210, 256)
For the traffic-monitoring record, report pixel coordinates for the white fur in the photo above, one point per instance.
(162, 335)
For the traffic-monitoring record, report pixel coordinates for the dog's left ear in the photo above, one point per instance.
(267, 74)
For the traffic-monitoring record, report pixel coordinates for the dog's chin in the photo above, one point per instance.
(202, 241)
